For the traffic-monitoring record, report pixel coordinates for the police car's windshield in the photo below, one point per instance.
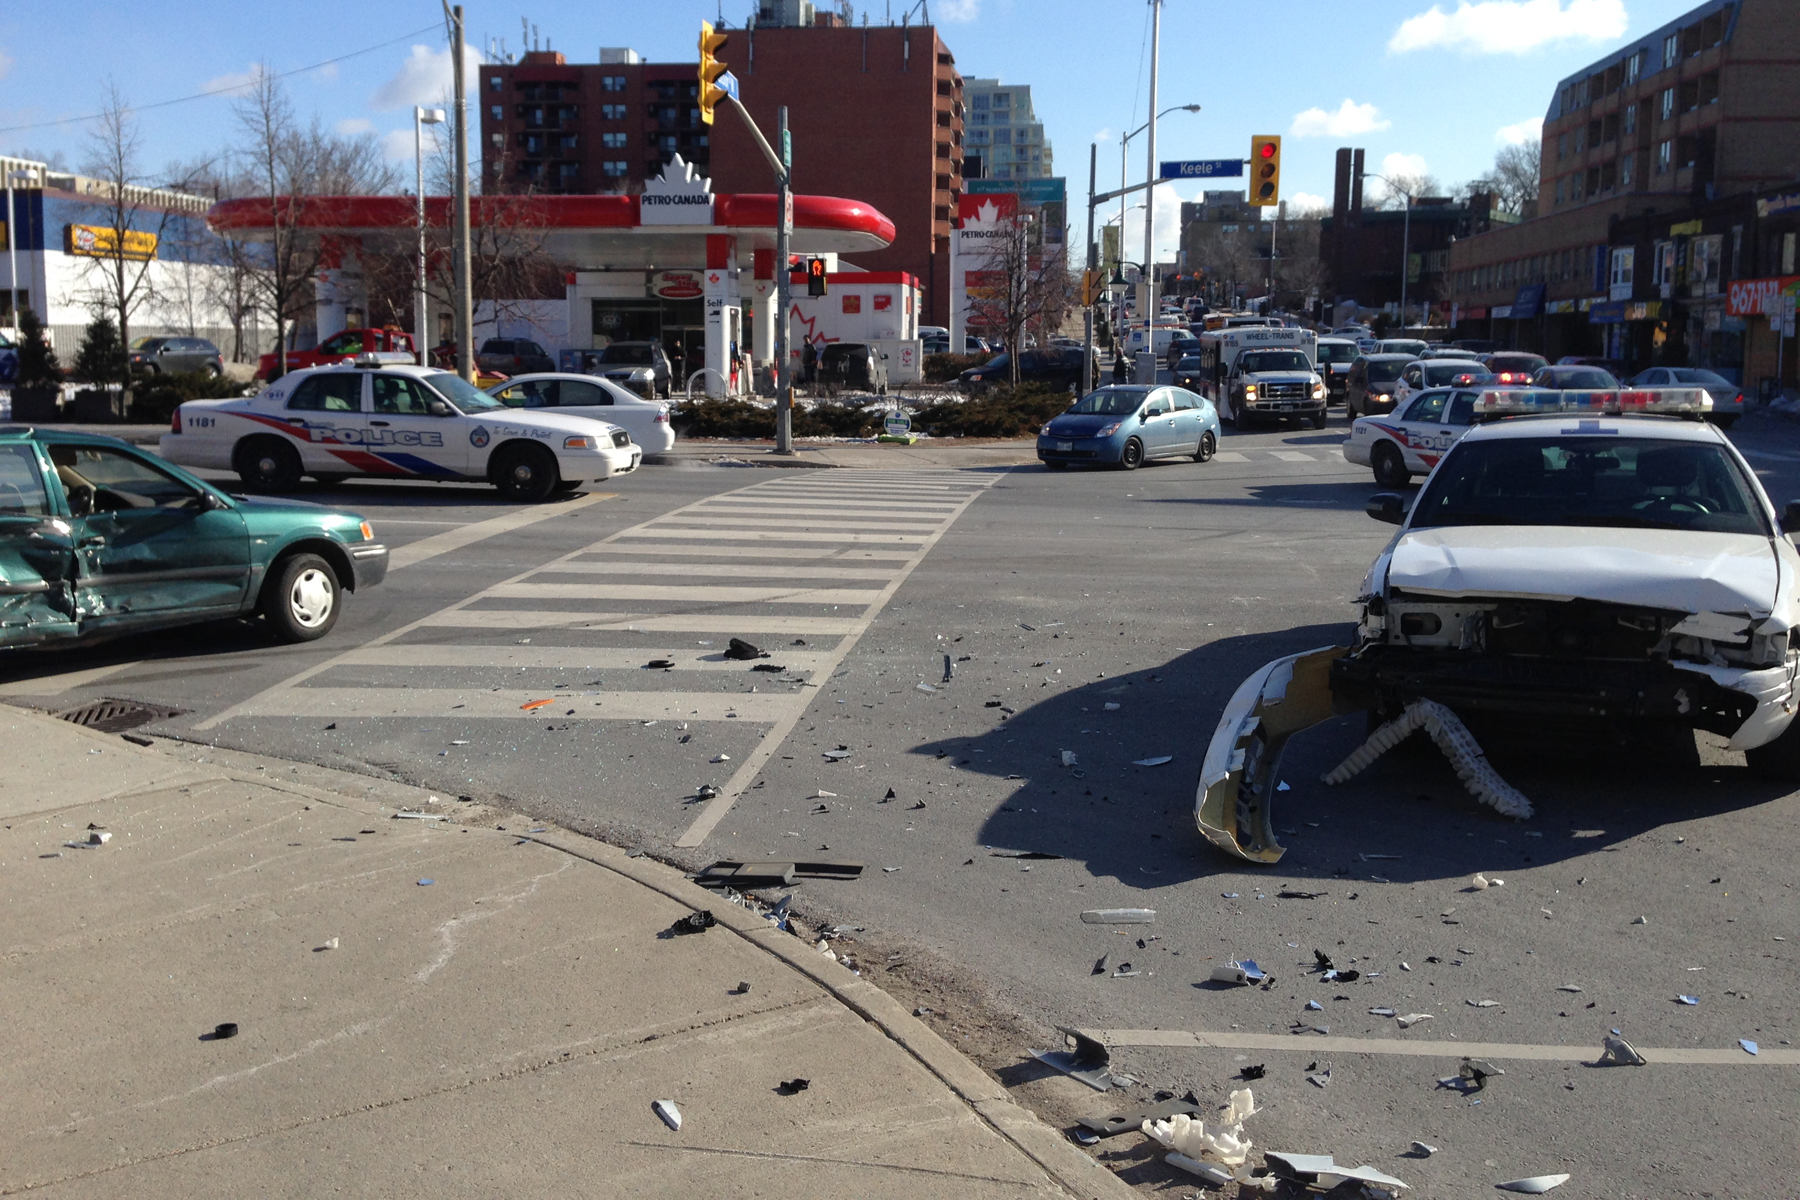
(466, 397)
(1612, 481)
(1273, 360)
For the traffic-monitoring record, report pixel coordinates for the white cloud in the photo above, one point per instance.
(1510, 26)
(1104, 135)
(352, 126)
(1528, 130)
(1300, 202)
(958, 10)
(235, 83)
(398, 145)
(1404, 164)
(424, 78)
(6, 63)
(1349, 120)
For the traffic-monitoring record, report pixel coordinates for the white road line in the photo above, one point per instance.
(732, 522)
(723, 625)
(883, 515)
(709, 595)
(1314, 1046)
(1293, 456)
(716, 808)
(414, 553)
(746, 503)
(55, 685)
(759, 535)
(345, 702)
(704, 570)
(1230, 456)
(574, 658)
(779, 552)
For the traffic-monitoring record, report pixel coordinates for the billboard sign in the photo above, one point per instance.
(99, 241)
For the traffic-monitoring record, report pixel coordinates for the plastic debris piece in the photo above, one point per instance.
(742, 989)
(1084, 1137)
(1100, 965)
(1639, 921)
(1424, 1149)
(694, 922)
(1748, 1045)
(1411, 1019)
(1153, 762)
(924, 687)
(1567, 987)
(1479, 883)
(99, 837)
(1125, 971)
(1406, 966)
(1536, 1185)
(1088, 1062)
(1320, 1079)
(721, 758)
(1031, 854)
(743, 651)
(948, 670)
(793, 1087)
(671, 1116)
(1617, 1052)
(1211, 1172)
(1222, 1139)
(1690, 1001)
(1068, 758)
(1381, 1012)
(536, 704)
(1458, 745)
(426, 882)
(329, 944)
(1119, 916)
(1110, 706)
(1480, 1070)
(1256, 1071)
(1482, 1003)
(1322, 961)
(225, 1029)
(841, 752)
(1314, 1006)
(1290, 895)
(659, 664)
(705, 791)
(1365, 1174)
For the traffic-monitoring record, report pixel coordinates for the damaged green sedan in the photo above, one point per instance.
(99, 539)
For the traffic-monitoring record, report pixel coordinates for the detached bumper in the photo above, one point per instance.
(370, 562)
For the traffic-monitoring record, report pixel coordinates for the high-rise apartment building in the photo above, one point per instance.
(1003, 131)
(548, 125)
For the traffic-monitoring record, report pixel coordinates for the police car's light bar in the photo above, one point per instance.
(1519, 402)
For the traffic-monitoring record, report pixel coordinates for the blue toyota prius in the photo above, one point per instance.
(1128, 424)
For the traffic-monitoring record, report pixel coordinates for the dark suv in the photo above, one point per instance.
(513, 356)
(1060, 369)
(175, 355)
(854, 365)
(640, 354)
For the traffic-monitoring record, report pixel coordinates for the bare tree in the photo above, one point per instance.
(1513, 179)
(1017, 288)
(1400, 185)
(1300, 268)
(129, 217)
(1227, 256)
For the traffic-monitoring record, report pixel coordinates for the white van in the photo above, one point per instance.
(1270, 388)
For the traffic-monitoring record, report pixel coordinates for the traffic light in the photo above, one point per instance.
(710, 69)
(815, 277)
(1092, 284)
(1265, 169)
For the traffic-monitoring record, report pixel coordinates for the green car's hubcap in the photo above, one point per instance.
(310, 598)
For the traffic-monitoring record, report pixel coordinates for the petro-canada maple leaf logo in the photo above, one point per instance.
(987, 214)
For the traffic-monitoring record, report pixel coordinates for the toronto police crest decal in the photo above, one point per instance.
(478, 436)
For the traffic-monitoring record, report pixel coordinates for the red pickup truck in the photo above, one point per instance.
(389, 344)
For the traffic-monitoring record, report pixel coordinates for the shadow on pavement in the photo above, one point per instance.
(1405, 819)
(1350, 497)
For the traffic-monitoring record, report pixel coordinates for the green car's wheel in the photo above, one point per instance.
(300, 600)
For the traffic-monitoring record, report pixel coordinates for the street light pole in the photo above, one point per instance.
(1124, 150)
(1087, 281)
(465, 298)
(421, 310)
(784, 229)
(1147, 369)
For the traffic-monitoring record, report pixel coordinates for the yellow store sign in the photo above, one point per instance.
(99, 241)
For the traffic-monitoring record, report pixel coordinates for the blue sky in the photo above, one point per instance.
(1438, 86)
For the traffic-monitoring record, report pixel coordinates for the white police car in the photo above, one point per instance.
(396, 422)
(1410, 440)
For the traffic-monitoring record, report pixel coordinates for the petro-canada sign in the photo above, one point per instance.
(676, 197)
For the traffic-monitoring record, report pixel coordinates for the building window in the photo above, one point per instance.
(496, 112)
(614, 141)
(1624, 260)
(1002, 99)
(614, 170)
(1668, 103)
(1709, 88)
(1665, 154)
(1626, 170)
(612, 83)
(613, 112)
(1634, 67)
(1562, 146)
(1687, 149)
(1630, 119)
(980, 102)
(1560, 190)
(569, 141)
(1671, 49)
(668, 143)
(493, 83)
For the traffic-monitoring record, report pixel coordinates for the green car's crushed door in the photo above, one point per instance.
(149, 544)
(37, 556)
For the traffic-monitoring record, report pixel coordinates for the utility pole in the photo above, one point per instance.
(1087, 282)
(784, 232)
(1147, 366)
(465, 299)
(421, 308)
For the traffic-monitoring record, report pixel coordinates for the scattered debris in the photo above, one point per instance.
(1537, 1185)
(1119, 916)
(1125, 971)
(1110, 706)
(536, 704)
(413, 816)
(1690, 1001)
(1253, 1072)
(793, 1087)
(1617, 1052)
(1458, 745)
(694, 922)
(743, 651)
(671, 1116)
(330, 944)
(1314, 1006)
(842, 752)
(1320, 1079)
(1088, 1062)
(1068, 758)
(426, 882)
(890, 870)
(1381, 1012)
(659, 664)
(742, 989)
(1153, 762)
(1031, 854)
(1100, 965)
(1084, 1138)
(947, 669)
(225, 1029)
(1322, 961)
(1290, 895)
(743, 875)
(1190, 1137)
(1639, 921)
(1748, 1045)
(1482, 1003)
(1479, 1070)
(705, 791)
(98, 837)
(924, 687)
(1243, 973)
(1211, 1172)
(1321, 1170)
(1411, 1019)
(1423, 1149)
(1568, 987)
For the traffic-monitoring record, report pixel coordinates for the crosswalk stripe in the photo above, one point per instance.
(746, 503)
(698, 593)
(718, 520)
(1231, 456)
(881, 518)
(705, 622)
(574, 658)
(761, 535)
(735, 570)
(1293, 456)
(343, 702)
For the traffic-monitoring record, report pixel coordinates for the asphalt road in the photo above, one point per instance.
(1058, 597)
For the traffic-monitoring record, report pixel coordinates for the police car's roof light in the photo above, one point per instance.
(1518, 402)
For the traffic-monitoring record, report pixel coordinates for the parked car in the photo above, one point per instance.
(1412, 346)
(1129, 424)
(1187, 373)
(1411, 441)
(1447, 351)
(1438, 372)
(1513, 366)
(854, 365)
(513, 356)
(395, 422)
(98, 538)
(934, 339)
(1336, 356)
(386, 344)
(173, 355)
(602, 399)
(641, 354)
(1561, 376)
(1727, 397)
(1180, 347)
(1370, 388)
(1611, 366)
(1054, 368)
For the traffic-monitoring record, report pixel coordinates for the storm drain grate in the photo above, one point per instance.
(116, 716)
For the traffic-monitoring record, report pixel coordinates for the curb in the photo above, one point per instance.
(1075, 1171)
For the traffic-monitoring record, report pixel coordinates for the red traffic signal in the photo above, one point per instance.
(815, 277)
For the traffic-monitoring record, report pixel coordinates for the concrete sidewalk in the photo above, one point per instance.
(497, 1011)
